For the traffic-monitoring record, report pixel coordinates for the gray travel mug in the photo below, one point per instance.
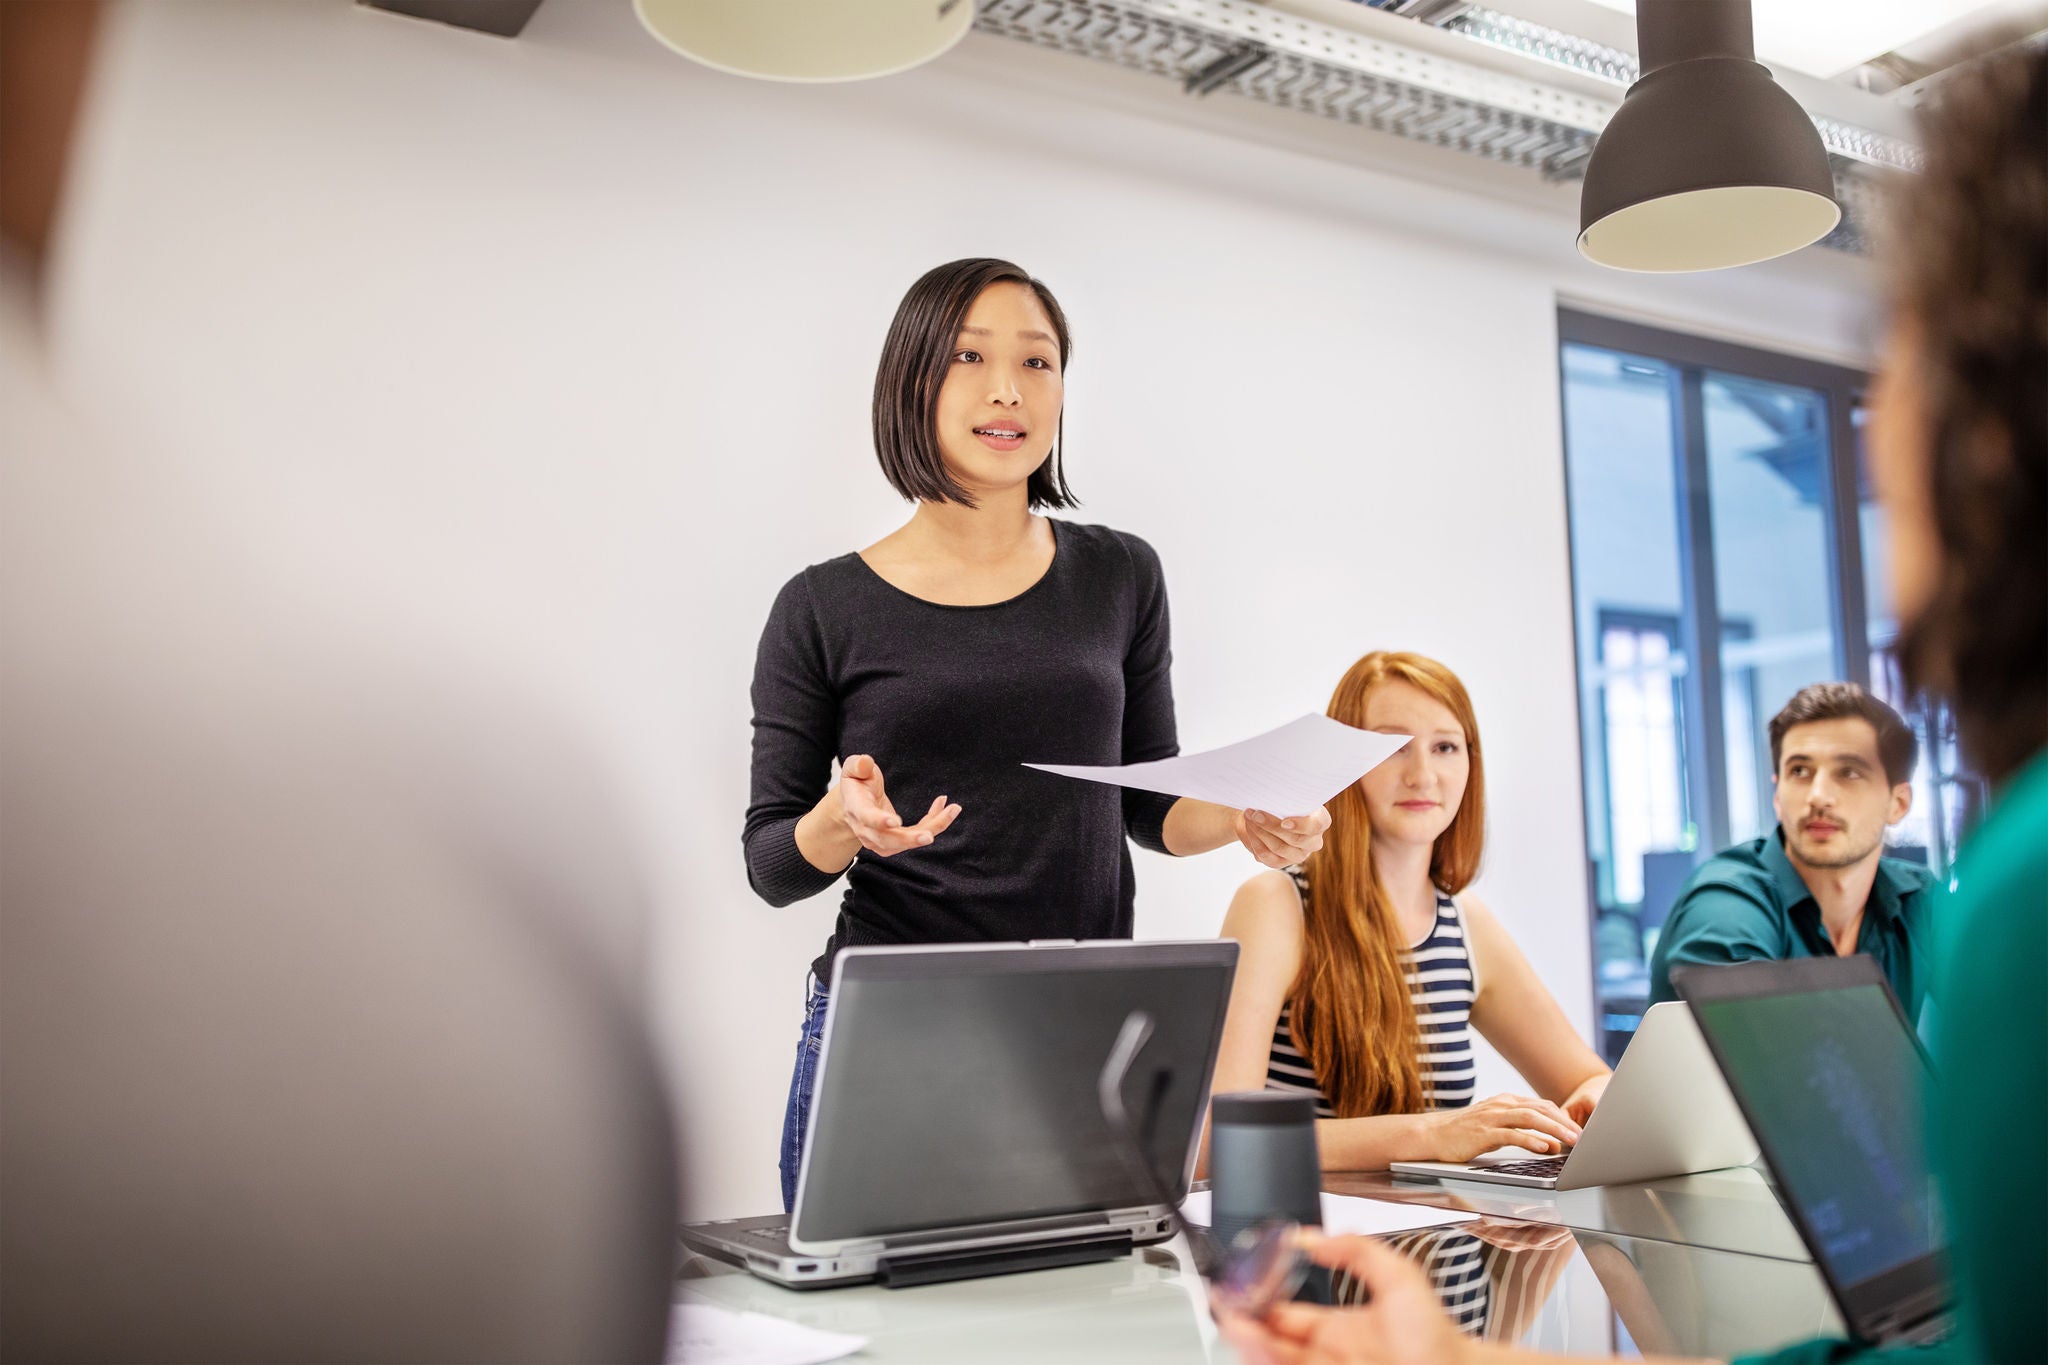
(1263, 1163)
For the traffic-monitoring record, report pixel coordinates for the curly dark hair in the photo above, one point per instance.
(1969, 272)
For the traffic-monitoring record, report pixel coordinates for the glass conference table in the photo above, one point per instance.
(1703, 1265)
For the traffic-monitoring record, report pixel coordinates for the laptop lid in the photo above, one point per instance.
(1833, 1081)
(1666, 1112)
(956, 1085)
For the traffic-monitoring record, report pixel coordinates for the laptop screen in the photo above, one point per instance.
(958, 1087)
(1832, 1082)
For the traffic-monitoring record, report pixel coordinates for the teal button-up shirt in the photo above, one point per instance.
(1748, 903)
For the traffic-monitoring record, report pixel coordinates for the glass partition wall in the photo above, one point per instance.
(1725, 553)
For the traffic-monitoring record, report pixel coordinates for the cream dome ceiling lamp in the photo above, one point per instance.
(808, 40)
(1708, 163)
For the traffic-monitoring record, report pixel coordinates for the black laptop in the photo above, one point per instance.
(957, 1128)
(1833, 1082)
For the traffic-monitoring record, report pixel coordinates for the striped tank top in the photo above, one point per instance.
(1441, 986)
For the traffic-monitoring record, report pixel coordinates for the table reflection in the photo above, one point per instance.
(1493, 1276)
(1536, 1284)
(1550, 1288)
(1732, 1210)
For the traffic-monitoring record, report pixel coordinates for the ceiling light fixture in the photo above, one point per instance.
(808, 40)
(1708, 163)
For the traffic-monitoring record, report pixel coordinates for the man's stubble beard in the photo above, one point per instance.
(1832, 860)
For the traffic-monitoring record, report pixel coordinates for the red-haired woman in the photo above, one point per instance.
(1365, 970)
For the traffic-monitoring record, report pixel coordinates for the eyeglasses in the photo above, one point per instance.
(1264, 1265)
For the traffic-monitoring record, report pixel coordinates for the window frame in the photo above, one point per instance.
(1640, 622)
(1688, 359)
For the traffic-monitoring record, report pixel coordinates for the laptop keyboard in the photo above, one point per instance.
(774, 1235)
(1549, 1165)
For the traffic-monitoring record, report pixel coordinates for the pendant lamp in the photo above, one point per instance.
(808, 40)
(1708, 163)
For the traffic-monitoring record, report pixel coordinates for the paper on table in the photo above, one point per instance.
(705, 1334)
(1288, 771)
(1347, 1215)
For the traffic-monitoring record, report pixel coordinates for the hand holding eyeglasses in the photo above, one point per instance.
(1400, 1321)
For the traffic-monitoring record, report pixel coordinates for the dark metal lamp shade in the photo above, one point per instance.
(1708, 163)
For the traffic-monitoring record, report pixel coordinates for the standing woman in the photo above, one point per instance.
(1364, 972)
(977, 637)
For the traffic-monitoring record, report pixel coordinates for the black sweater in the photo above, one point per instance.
(952, 700)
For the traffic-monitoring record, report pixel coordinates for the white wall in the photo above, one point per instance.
(560, 350)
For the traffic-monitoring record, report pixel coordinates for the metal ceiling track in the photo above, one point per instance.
(1263, 54)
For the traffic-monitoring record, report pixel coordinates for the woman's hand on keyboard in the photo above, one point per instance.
(1498, 1121)
(1580, 1103)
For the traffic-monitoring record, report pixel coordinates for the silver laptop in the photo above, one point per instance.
(1666, 1112)
(956, 1128)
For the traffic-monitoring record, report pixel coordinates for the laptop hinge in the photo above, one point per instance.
(1908, 1318)
(901, 1272)
(944, 1241)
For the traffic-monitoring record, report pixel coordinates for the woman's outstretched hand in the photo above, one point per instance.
(1401, 1322)
(866, 813)
(1279, 842)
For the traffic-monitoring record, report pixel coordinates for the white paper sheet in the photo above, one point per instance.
(1348, 1215)
(705, 1334)
(1288, 771)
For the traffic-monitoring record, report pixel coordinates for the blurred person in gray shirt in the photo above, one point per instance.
(321, 1031)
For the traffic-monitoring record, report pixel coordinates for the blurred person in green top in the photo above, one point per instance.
(1959, 450)
(1819, 884)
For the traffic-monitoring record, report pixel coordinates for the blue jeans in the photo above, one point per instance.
(796, 1119)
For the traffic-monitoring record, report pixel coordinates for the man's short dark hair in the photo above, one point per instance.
(915, 358)
(1897, 747)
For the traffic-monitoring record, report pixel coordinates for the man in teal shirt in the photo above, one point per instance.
(1842, 765)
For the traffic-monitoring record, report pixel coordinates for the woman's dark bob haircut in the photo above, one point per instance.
(1969, 266)
(915, 359)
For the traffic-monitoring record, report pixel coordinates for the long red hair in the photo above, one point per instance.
(1351, 1015)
